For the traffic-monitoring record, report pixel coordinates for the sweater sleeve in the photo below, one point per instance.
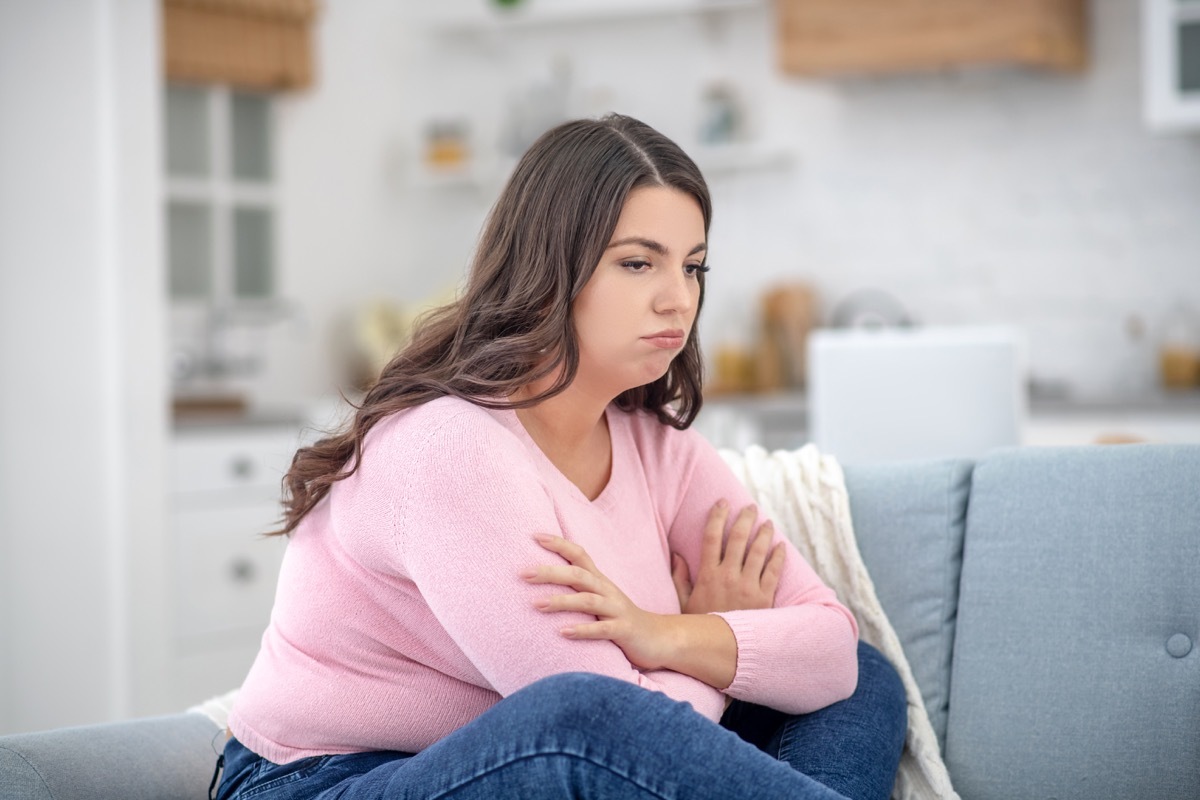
(466, 516)
(800, 655)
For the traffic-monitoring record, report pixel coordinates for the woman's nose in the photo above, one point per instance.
(676, 294)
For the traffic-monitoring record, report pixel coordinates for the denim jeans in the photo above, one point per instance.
(589, 736)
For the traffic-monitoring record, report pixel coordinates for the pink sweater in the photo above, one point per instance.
(400, 614)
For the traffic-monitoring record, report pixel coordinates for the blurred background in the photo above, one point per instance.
(217, 217)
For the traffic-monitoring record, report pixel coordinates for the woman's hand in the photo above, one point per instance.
(643, 636)
(745, 575)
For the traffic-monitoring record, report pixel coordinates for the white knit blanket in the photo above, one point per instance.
(804, 493)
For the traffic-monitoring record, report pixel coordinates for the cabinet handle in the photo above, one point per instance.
(243, 571)
(242, 467)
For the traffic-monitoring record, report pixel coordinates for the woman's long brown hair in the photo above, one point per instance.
(513, 323)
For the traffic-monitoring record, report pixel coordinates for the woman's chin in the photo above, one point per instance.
(632, 376)
(649, 376)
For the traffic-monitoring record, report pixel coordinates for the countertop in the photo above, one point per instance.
(1156, 402)
(774, 409)
(314, 416)
(255, 418)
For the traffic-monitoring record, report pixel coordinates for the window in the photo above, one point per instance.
(221, 205)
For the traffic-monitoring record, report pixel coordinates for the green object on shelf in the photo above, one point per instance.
(507, 3)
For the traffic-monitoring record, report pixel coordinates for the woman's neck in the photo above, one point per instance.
(565, 422)
(572, 431)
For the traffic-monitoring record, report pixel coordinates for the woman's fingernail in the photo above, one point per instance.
(545, 538)
(529, 573)
(542, 603)
(722, 504)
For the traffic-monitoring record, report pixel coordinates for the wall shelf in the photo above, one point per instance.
(483, 25)
(715, 161)
(534, 14)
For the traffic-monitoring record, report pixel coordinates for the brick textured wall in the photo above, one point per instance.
(994, 195)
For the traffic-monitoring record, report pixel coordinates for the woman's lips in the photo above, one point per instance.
(666, 339)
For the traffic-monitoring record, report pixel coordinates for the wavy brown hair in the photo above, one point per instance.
(514, 323)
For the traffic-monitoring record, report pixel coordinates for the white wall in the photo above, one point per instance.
(974, 195)
(82, 419)
(345, 217)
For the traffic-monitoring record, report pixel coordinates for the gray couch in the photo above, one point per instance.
(1048, 601)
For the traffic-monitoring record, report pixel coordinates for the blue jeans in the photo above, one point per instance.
(589, 736)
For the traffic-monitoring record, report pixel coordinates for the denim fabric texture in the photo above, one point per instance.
(852, 747)
(589, 736)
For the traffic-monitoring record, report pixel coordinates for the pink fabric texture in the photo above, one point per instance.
(400, 613)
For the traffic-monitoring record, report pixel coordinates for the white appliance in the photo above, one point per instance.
(910, 393)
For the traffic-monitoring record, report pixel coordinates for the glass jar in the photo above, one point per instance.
(1179, 351)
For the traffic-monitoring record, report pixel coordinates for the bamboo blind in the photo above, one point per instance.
(255, 44)
(827, 37)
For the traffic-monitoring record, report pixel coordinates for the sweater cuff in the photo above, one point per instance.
(748, 655)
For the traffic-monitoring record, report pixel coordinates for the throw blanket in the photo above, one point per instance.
(804, 493)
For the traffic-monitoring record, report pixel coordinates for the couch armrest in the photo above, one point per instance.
(155, 758)
(1073, 670)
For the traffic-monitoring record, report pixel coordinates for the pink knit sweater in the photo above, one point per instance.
(401, 615)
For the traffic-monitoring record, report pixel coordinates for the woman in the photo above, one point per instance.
(489, 569)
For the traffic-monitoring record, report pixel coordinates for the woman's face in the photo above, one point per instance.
(636, 311)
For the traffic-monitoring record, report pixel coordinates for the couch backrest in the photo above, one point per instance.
(909, 520)
(1076, 671)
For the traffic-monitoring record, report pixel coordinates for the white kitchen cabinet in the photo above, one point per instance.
(821, 38)
(478, 19)
(1171, 54)
(225, 490)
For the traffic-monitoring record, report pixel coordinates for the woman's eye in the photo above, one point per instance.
(636, 266)
(696, 269)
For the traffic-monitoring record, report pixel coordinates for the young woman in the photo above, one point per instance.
(518, 574)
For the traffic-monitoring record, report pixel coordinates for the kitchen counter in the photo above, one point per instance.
(1159, 416)
(193, 421)
(794, 403)
(314, 416)
(1159, 401)
(780, 419)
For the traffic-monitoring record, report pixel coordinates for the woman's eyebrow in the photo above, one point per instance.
(650, 244)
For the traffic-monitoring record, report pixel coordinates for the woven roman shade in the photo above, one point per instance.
(254, 44)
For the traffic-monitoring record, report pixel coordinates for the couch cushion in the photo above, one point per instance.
(1080, 593)
(908, 520)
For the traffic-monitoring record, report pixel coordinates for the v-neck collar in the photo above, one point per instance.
(617, 445)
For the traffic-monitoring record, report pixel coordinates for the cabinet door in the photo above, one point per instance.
(225, 570)
(214, 466)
